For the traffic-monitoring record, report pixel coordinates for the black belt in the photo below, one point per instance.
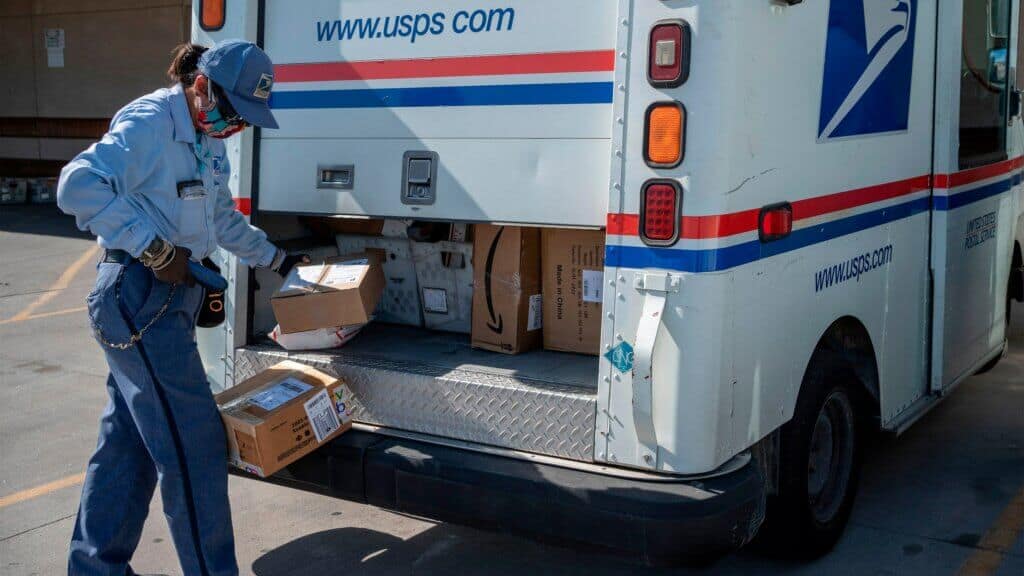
(118, 257)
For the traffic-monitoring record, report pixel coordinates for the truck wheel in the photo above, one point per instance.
(819, 465)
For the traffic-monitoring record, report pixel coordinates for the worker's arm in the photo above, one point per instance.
(94, 187)
(236, 235)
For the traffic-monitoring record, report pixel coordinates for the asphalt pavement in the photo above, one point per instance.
(945, 498)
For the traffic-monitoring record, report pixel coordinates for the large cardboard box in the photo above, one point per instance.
(343, 291)
(282, 414)
(507, 300)
(573, 263)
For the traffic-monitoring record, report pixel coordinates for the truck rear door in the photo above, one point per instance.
(454, 110)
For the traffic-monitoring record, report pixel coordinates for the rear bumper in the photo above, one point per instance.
(659, 522)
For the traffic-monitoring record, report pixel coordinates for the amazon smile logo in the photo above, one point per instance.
(869, 64)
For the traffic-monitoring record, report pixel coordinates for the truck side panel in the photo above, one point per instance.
(760, 132)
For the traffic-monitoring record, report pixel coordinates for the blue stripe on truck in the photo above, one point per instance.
(719, 259)
(959, 199)
(504, 95)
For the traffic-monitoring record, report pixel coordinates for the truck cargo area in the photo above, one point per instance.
(434, 383)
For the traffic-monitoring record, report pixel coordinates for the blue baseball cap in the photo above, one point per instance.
(246, 75)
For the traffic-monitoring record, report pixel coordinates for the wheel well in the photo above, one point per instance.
(848, 339)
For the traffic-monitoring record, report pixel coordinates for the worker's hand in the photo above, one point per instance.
(177, 271)
(289, 262)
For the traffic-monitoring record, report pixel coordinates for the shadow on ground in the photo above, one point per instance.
(441, 549)
(39, 219)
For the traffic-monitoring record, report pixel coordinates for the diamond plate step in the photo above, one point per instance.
(436, 384)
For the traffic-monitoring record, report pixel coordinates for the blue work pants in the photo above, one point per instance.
(161, 425)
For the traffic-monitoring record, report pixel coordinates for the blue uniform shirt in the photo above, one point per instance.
(124, 188)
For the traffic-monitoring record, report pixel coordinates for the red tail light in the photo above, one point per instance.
(211, 14)
(659, 212)
(776, 222)
(669, 58)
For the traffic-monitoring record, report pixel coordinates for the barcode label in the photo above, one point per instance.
(322, 416)
(535, 317)
(593, 284)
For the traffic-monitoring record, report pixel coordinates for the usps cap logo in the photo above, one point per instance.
(264, 86)
(869, 65)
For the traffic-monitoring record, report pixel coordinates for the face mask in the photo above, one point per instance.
(218, 120)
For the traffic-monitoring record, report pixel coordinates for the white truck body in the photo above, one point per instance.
(536, 111)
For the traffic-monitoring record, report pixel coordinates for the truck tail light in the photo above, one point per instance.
(775, 222)
(664, 138)
(669, 58)
(211, 14)
(660, 212)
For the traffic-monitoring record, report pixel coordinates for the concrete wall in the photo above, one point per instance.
(116, 50)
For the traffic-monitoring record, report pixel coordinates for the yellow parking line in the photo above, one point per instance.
(62, 283)
(999, 539)
(44, 315)
(42, 490)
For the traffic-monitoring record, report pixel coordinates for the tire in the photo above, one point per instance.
(819, 465)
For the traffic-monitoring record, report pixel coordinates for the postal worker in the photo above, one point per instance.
(155, 192)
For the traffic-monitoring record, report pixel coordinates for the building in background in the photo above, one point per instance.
(66, 66)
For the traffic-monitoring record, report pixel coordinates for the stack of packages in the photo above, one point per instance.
(534, 286)
(325, 305)
(513, 289)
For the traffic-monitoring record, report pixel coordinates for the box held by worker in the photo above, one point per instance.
(507, 300)
(573, 262)
(342, 291)
(281, 415)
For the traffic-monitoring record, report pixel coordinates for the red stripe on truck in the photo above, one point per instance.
(506, 64)
(946, 181)
(720, 226)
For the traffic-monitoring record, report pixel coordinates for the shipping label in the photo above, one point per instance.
(322, 416)
(280, 394)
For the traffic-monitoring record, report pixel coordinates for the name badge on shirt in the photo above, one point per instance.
(191, 190)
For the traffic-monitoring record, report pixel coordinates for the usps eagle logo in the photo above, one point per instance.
(869, 65)
(264, 86)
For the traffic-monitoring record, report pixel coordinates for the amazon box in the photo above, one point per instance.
(573, 263)
(342, 291)
(507, 298)
(282, 414)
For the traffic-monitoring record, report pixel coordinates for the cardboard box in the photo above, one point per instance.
(344, 291)
(507, 300)
(444, 272)
(573, 262)
(282, 414)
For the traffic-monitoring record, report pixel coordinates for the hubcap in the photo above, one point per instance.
(830, 458)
